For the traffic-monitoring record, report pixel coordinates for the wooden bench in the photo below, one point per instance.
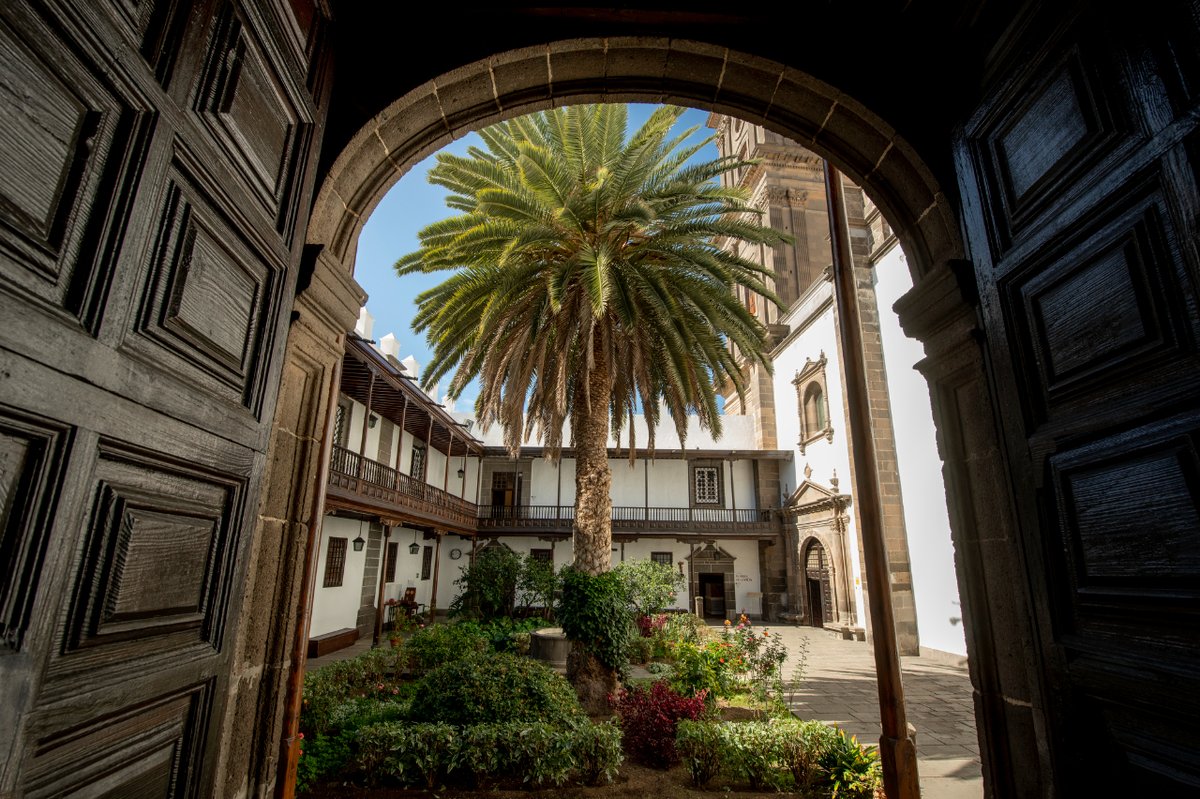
(331, 641)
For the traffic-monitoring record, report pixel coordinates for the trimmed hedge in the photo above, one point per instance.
(537, 753)
(495, 688)
(784, 754)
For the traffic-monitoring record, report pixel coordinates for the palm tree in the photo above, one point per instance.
(586, 283)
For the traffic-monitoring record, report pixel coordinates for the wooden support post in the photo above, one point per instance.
(896, 749)
(446, 472)
(362, 442)
(383, 547)
(400, 442)
(437, 562)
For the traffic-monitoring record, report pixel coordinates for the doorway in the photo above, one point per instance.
(819, 597)
(712, 589)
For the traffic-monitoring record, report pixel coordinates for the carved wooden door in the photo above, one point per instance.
(1079, 178)
(155, 171)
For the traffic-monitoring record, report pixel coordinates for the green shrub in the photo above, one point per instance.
(511, 635)
(495, 687)
(488, 585)
(752, 750)
(408, 753)
(801, 746)
(640, 649)
(682, 628)
(661, 670)
(598, 751)
(439, 644)
(704, 667)
(537, 584)
(372, 674)
(649, 586)
(537, 753)
(595, 614)
(321, 757)
(701, 746)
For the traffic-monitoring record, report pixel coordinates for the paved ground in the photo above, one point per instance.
(839, 687)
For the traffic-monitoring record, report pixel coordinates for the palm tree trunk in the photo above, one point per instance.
(593, 681)
(593, 478)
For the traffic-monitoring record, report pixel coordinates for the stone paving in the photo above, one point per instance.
(839, 687)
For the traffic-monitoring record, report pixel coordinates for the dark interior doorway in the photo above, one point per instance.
(818, 593)
(712, 588)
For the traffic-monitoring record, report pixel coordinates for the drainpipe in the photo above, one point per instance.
(896, 749)
(290, 753)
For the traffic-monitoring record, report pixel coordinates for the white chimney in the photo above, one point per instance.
(365, 323)
(411, 366)
(388, 345)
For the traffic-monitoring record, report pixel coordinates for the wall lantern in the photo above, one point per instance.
(414, 547)
(462, 473)
(359, 543)
(372, 420)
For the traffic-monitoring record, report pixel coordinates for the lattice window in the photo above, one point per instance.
(665, 558)
(416, 469)
(341, 424)
(546, 555)
(335, 562)
(707, 483)
(389, 571)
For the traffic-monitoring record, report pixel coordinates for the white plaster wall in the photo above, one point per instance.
(336, 608)
(737, 433)
(743, 486)
(925, 516)
(818, 333)
(629, 483)
(746, 573)
(543, 483)
(668, 484)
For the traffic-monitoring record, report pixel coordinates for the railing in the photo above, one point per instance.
(632, 519)
(372, 479)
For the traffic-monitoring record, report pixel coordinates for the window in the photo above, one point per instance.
(813, 403)
(341, 424)
(335, 562)
(665, 558)
(389, 569)
(706, 485)
(416, 469)
(546, 555)
(427, 563)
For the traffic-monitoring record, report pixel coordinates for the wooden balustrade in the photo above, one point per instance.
(368, 478)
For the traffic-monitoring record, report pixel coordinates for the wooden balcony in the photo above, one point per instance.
(694, 521)
(363, 484)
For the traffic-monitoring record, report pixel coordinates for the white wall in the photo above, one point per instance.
(925, 516)
(336, 608)
(818, 333)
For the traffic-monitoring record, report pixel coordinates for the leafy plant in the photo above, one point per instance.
(373, 674)
(650, 585)
(488, 586)
(321, 757)
(704, 670)
(701, 745)
(852, 769)
(594, 613)
(438, 644)
(648, 718)
(801, 747)
(408, 752)
(537, 584)
(495, 687)
(598, 753)
(753, 751)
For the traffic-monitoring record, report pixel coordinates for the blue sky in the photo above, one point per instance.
(392, 231)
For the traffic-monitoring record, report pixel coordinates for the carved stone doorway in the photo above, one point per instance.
(818, 594)
(712, 578)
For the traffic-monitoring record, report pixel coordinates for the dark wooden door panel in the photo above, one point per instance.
(157, 160)
(1078, 180)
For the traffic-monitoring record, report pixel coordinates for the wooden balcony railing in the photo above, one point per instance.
(498, 518)
(372, 479)
(376, 481)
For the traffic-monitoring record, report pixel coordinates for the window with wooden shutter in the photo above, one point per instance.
(389, 571)
(335, 562)
(427, 563)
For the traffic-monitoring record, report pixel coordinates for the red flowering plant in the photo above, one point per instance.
(759, 662)
(649, 717)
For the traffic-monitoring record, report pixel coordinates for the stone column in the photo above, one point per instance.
(998, 616)
(292, 498)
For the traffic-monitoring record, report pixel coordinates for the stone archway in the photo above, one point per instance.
(509, 84)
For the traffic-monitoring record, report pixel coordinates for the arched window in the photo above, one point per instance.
(812, 403)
